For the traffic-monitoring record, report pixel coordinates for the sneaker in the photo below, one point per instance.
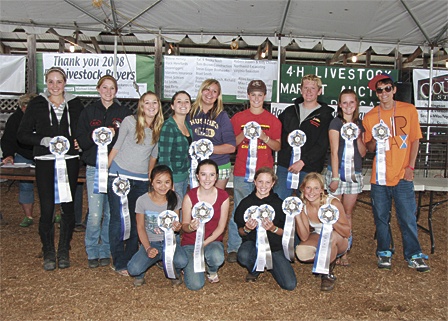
(63, 261)
(159, 264)
(232, 257)
(213, 277)
(104, 261)
(94, 263)
(252, 277)
(139, 282)
(385, 260)
(49, 261)
(27, 221)
(327, 283)
(418, 262)
(79, 228)
(178, 281)
(57, 218)
(49, 264)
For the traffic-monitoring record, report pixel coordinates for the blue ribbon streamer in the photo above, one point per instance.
(96, 183)
(57, 199)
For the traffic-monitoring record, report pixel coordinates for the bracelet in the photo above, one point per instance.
(412, 168)
(267, 140)
(335, 179)
(275, 230)
(247, 231)
(148, 248)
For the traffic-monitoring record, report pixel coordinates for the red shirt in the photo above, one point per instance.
(269, 124)
(210, 226)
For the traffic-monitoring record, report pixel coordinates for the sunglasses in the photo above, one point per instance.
(388, 89)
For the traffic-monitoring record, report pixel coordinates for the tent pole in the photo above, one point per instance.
(428, 115)
(115, 55)
(279, 67)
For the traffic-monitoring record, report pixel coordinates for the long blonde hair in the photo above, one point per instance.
(156, 124)
(218, 106)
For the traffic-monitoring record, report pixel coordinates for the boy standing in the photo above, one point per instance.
(265, 139)
(393, 133)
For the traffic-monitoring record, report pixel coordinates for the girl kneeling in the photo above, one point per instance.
(282, 270)
(160, 197)
(207, 174)
(309, 227)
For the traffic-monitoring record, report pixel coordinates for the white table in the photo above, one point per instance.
(431, 185)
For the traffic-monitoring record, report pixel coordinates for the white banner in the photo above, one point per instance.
(439, 93)
(12, 74)
(187, 73)
(83, 71)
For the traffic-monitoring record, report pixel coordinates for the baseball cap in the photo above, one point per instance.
(374, 80)
(256, 85)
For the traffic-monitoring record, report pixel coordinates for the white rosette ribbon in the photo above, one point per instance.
(291, 206)
(102, 137)
(121, 187)
(349, 132)
(194, 164)
(264, 254)
(381, 134)
(203, 212)
(59, 146)
(296, 139)
(328, 214)
(252, 131)
(165, 221)
(199, 150)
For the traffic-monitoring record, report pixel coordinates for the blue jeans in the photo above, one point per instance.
(405, 208)
(123, 250)
(281, 188)
(181, 188)
(214, 258)
(282, 270)
(26, 188)
(241, 190)
(140, 262)
(97, 229)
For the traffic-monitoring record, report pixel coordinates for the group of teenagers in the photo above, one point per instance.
(156, 161)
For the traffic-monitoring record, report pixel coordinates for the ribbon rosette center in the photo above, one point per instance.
(329, 214)
(203, 212)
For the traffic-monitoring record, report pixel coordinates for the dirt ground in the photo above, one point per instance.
(362, 291)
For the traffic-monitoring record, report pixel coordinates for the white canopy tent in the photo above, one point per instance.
(403, 26)
(384, 25)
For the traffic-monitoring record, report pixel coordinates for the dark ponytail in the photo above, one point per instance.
(171, 198)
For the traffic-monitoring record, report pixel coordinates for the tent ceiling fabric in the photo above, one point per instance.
(382, 24)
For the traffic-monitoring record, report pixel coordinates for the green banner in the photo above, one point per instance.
(83, 71)
(334, 80)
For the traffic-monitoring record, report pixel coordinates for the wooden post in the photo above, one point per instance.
(61, 45)
(158, 42)
(31, 69)
(368, 57)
